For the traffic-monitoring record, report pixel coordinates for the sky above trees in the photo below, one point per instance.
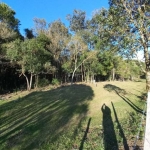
(27, 10)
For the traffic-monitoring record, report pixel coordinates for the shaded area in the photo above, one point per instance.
(121, 92)
(42, 117)
(110, 88)
(85, 135)
(110, 141)
(126, 147)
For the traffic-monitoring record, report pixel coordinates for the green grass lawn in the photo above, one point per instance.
(79, 116)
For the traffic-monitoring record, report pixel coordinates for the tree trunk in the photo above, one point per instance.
(36, 81)
(147, 130)
(27, 80)
(88, 76)
(91, 78)
(113, 74)
(31, 77)
(73, 76)
(65, 78)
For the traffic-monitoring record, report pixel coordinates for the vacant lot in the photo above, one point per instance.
(81, 116)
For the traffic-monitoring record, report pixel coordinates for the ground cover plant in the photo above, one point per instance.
(79, 116)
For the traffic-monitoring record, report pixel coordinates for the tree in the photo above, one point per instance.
(29, 33)
(40, 26)
(59, 36)
(77, 20)
(136, 16)
(79, 53)
(30, 55)
(8, 27)
(6, 34)
(7, 15)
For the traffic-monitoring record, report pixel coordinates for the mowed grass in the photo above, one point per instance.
(79, 116)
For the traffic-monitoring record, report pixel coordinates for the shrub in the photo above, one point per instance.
(43, 82)
(55, 82)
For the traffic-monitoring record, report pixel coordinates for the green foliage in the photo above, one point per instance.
(55, 81)
(67, 66)
(7, 15)
(43, 82)
(105, 63)
(29, 33)
(30, 54)
(77, 20)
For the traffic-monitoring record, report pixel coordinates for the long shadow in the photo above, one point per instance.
(85, 135)
(110, 141)
(42, 117)
(126, 147)
(136, 108)
(121, 92)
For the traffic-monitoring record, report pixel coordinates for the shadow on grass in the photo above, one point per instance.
(110, 141)
(121, 92)
(42, 117)
(125, 144)
(85, 135)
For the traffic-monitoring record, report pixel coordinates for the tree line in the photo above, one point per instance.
(98, 49)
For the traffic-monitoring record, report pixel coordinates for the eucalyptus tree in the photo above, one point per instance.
(79, 53)
(58, 35)
(136, 14)
(77, 20)
(40, 26)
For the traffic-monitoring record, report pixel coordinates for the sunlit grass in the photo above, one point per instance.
(67, 117)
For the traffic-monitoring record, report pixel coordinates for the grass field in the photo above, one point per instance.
(79, 116)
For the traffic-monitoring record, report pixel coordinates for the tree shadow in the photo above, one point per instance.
(121, 92)
(85, 135)
(42, 117)
(125, 144)
(110, 141)
(110, 88)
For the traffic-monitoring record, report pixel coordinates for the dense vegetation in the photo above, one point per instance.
(87, 50)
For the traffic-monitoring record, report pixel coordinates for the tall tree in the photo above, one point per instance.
(30, 55)
(40, 25)
(79, 53)
(7, 15)
(6, 34)
(77, 20)
(136, 14)
(59, 36)
(9, 26)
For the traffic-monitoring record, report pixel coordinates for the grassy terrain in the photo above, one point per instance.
(81, 116)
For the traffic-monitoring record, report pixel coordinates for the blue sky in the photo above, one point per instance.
(51, 10)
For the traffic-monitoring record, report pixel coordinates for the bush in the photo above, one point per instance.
(55, 82)
(43, 82)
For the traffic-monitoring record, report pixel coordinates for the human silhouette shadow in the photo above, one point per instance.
(110, 141)
(125, 144)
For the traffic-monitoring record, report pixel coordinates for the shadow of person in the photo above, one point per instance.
(110, 141)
